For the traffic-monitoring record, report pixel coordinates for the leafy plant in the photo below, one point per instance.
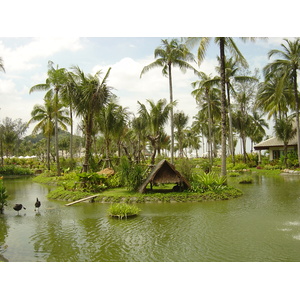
(92, 181)
(208, 182)
(246, 179)
(123, 210)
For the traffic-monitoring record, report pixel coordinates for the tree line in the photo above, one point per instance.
(232, 106)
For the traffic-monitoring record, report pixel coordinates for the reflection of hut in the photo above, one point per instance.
(164, 172)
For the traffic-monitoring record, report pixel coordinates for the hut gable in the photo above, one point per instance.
(164, 172)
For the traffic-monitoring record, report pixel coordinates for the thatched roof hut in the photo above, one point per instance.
(164, 172)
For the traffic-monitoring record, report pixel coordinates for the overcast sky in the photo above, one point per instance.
(25, 61)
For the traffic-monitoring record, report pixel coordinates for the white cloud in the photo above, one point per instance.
(23, 58)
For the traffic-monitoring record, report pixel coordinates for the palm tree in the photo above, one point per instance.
(171, 54)
(45, 116)
(284, 131)
(92, 94)
(256, 130)
(228, 43)
(139, 126)
(275, 96)
(206, 92)
(180, 121)
(155, 118)
(289, 64)
(53, 85)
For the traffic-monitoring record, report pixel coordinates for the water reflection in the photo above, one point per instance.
(262, 225)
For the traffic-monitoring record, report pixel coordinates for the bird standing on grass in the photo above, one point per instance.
(37, 204)
(18, 207)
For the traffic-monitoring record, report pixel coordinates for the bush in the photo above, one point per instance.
(208, 182)
(184, 166)
(14, 170)
(92, 182)
(246, 179)
(131, 174)
(122, 210)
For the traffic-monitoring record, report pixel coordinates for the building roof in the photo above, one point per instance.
(274, 142)
(164, 172)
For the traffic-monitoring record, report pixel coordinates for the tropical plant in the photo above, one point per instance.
(45, 116)
(224, 43)
(92, 94)
(287, 65)
(123, 210)
(54, 83)
(284, 131)
(171, 54)
(208, 182)
(180, 121)
(155, 119)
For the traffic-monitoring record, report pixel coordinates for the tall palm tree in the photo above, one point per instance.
(288, 63)
(171, 54)
(92, 94)
(205, 93)
(224, 43)
(45, 116)
(139, 126)
(155, 118)
(53, 85)
(284, 131)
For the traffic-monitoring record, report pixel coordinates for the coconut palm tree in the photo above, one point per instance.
(288, 63)
(155, 118)
(54, 83)
(92, 94)
(168, 55)
(180, 122)
(284, 131)
(224, 43)
(275, 96)
(45, 116)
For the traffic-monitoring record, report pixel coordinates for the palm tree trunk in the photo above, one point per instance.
(231, 145)
(223, 106)
(71, 136)
(88, 143)
(171, 115)
(297, 114)
(56, 136)
(48, 151)
(210, 154)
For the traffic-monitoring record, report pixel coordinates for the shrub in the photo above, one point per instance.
(208, 182)
(123, 210)
(92, 181)
(131, 174)
(14, 170)
(246, 179)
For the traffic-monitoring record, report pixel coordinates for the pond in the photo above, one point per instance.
(262, 225)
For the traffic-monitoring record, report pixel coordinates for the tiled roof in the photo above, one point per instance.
(274, 142)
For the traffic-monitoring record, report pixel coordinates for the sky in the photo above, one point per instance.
(26, 58)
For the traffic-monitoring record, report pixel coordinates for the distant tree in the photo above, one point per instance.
(180, 122)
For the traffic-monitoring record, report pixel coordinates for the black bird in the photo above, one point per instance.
(37, 204)
(18, 207)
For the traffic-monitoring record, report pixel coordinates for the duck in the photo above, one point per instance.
(37, 204)
(18, 207)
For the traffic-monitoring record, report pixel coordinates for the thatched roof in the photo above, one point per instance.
(164, 172)
(274, 142)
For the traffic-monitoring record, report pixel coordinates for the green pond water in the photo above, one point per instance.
(262, 225)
